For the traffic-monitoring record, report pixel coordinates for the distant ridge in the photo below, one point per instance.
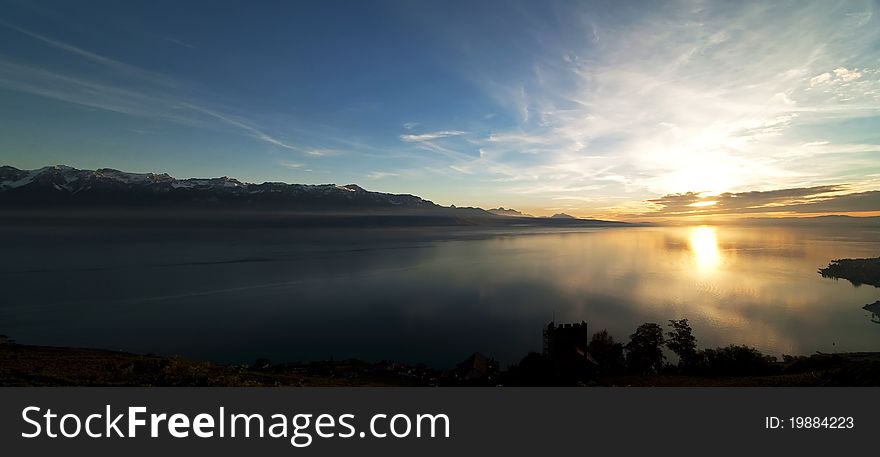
(67, 188)
(510, 212)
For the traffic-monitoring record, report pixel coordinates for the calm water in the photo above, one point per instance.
(236, 296)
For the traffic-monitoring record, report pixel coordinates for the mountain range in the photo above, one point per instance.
(66, 187)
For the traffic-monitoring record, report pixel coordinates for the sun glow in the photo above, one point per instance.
(702, 204)
(704, 246)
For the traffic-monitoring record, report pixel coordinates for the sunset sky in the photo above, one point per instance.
(625, 110)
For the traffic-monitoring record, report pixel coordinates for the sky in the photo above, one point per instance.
(614, 109)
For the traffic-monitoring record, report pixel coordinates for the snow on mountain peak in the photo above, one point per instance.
(110, 185)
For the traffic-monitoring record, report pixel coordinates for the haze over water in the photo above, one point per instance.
(415, 297)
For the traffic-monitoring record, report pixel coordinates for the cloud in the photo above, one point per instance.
(837, 76)
(411, 138)
(805, 200)
(144, 93)
(291, 165)
(178, 42)
(819, 80)
(322, 152)
(243, 125)
(91, 93)
(847, 75)
(713, 98)
(861, 18)
(113, 64)
(381, 174)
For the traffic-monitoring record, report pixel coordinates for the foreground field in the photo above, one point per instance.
(22, 365)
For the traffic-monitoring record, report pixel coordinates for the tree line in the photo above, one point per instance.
(644, 354)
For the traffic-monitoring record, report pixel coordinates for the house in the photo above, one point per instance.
(477, 367)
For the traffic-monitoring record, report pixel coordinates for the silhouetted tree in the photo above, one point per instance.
(644, 352)
(734, 360)
(533, 370)
(607, 352)
(681, 341)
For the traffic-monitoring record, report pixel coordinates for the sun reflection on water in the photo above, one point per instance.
(704, 245)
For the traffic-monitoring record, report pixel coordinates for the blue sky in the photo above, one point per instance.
(610, 109)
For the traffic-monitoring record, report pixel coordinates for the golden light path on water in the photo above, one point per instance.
(703, 242)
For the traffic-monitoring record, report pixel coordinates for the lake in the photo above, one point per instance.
(421, 296)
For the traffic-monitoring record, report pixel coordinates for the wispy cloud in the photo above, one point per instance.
(411, 138)
(88, 92)
(178, 42)
(291, 165)
(153, 94)
(243, 125)
(381, 175)
(128, 70)
(111, 97)
(322, 152)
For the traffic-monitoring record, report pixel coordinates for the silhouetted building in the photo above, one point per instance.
(565, 345)
(477, 367)
(563, 337)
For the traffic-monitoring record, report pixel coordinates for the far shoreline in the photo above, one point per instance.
(856, 271)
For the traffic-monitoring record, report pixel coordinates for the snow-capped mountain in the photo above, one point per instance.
(61, 185)
(507, 212)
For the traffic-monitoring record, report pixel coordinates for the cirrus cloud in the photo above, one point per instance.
(430, 136)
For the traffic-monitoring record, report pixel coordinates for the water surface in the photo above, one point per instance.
(418, 296)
